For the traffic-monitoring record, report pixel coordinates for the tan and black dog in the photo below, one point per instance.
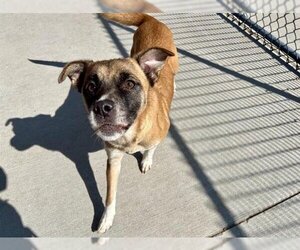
(128, 100)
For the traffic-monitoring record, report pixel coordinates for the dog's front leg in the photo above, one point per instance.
(112, 174)
(147, 159)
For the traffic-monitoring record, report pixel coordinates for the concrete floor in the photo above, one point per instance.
(230, 162)
(94, 6)
(149, 243)
(170, 6)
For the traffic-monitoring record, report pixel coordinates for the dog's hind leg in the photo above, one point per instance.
(112, 174)
(147, 159)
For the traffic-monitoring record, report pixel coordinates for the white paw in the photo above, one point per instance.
(146, 165)
(106, 221)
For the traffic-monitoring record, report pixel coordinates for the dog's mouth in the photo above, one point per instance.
(112, 128)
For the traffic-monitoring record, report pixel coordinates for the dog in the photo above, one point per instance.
(128, 100)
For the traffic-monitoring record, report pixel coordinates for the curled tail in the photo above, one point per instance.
(135, 19)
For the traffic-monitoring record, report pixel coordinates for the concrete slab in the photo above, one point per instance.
(232, 150)
(45, 122)
(280, 221)
(51, 190)
(94, 6)
(208, 6)
(149, 243)
(45, 6)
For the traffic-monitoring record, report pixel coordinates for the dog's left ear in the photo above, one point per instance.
(75, 71)
(152, 61)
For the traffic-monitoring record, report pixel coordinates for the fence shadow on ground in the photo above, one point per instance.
(234, 115)
(219, 205)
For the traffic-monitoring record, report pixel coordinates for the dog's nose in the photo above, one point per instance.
(104, 107)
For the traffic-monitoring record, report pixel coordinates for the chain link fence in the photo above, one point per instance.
(279, 32)
(261, 6)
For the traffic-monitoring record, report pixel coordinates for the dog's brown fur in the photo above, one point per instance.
(153, 123)
(157, 87)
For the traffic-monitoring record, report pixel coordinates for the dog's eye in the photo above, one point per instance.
(128, 85)
(92, 87)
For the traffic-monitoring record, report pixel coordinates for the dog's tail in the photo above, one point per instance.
(134, 19)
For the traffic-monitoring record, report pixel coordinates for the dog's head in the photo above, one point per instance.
(115, 91)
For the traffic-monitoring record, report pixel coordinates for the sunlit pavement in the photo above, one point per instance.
(230, 164)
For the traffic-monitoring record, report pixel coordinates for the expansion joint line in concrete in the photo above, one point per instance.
(255, 214)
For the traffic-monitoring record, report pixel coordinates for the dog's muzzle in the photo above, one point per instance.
(104, 108)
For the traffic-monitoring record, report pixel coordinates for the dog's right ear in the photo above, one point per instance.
(152, 61)
(75, 71)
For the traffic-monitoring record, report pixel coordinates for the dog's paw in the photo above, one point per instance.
(146, 165)
(106, 222)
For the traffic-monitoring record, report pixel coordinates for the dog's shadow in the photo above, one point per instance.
(68, 132)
